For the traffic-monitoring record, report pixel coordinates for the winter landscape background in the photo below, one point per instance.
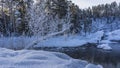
(38, 33)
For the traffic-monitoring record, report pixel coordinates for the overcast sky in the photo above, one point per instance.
(87, 3)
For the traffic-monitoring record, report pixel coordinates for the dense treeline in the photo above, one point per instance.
(54, 16)
(13, 15)
(42, 17)
(106, 13)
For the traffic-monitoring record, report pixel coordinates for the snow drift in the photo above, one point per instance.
(39, 59)
(114, 35)
(104, 46)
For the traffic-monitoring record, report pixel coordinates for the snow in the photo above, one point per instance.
(15, 42)
(104, 46)
(102, 24)
(49, 41)
(44, 38)
(62, 42)
(93, 66)
(114, 35)
(96, 37)
(105, 41)
(71, 41)
(111, 37)
(38, 59)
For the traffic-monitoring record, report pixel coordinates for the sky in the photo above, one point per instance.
(88, 3)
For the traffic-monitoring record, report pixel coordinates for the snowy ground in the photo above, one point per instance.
(104, 46)
(114, 35)
(59, 41)
(16, 42)
(40, 59)
(71, 41)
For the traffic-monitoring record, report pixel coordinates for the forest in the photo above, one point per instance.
(59, 34)
(24, 17)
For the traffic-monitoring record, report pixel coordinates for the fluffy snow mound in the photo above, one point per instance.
(96, 37)
(37, 59)
(114, 35)
(93, 66)
(104, 46)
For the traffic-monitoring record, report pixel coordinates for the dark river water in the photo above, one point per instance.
(108, 59)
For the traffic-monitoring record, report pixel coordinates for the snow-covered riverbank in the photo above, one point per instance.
(44, 59)
(59, 41)
(40, 59)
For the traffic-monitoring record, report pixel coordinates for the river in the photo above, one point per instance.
(89, 52)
